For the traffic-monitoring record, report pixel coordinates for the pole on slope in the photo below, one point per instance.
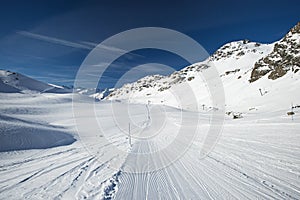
(261, 94)
(129, 134)
(292, 112)
(148, 111)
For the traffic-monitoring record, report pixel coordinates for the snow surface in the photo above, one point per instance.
(256, 157)
(20, 132)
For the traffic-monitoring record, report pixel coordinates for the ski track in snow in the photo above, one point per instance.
(217, 176)
(258, 161)
(238, 170)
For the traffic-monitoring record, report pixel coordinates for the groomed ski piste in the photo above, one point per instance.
(256, 157)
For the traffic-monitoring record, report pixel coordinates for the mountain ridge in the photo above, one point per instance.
(12, 82)
(236, 63)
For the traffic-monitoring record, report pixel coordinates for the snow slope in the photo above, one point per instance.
(21, 130)
(256, 157)
(233, 66)
(7, 88)
(14, 82)
(67, 170)
(237, 64)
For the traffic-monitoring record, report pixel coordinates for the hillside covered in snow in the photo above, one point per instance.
(255, 76)
(15, 82)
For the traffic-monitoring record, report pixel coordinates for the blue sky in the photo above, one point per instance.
(48, 40)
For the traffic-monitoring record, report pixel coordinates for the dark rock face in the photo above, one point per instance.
(284, 57)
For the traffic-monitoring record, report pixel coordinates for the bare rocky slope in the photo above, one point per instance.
(284, 57)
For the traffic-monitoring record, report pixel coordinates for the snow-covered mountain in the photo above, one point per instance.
(15, 82)
(95, 93)
(102, 94)
(255, 77)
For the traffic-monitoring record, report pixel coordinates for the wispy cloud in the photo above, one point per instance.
(79, 45)
(54, 40)
(94, 45)
(109, 48)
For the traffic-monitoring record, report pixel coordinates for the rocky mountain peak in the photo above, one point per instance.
(295, 29)
(235, 49)
(284, 57)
